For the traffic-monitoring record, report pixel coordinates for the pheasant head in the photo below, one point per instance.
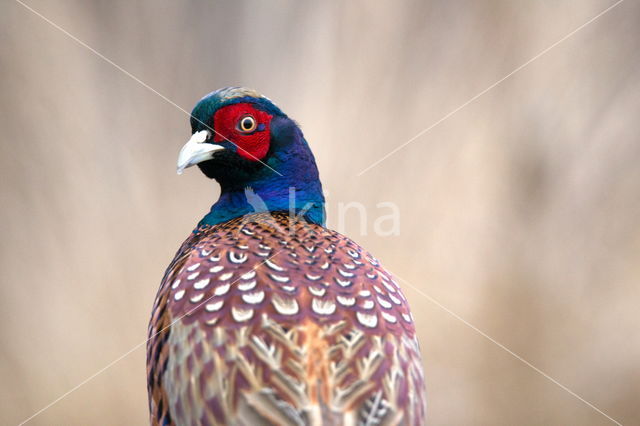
(243, 140)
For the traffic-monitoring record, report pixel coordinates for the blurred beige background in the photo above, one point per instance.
(520, 213)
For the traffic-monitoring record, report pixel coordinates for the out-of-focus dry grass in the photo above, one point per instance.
(521, 212)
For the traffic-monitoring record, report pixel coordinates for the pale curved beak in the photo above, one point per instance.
(196, 150)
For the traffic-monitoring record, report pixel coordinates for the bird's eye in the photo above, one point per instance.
(247, 124)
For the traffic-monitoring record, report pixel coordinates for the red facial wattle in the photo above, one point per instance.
(252, 145)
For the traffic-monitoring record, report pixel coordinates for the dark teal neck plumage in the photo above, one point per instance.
(294, 188)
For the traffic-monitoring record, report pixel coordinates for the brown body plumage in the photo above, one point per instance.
(267, 320)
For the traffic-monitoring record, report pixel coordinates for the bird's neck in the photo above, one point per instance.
(290, 183)
(304, 202)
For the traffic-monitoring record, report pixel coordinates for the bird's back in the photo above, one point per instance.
(262, 320)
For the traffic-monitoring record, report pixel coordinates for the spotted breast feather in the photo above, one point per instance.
(267, 320)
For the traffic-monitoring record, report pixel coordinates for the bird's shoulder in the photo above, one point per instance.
(269, 265)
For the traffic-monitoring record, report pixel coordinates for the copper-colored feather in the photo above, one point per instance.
(261, 320)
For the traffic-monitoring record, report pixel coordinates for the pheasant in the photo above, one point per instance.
(265, 316)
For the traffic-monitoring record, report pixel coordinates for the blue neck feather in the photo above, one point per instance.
(296, 188)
